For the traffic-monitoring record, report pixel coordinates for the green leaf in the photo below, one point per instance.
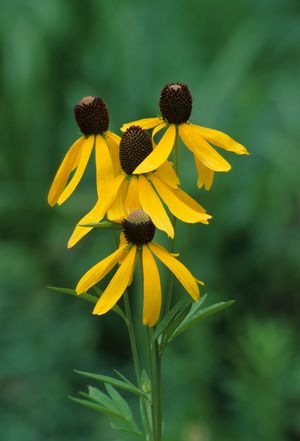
(123, 427)
(124, 385)
(119, 402)
(99, 397)
(88, 297)
(123, 377)
(103, 224)
(112, 405)
(174, 324)
(196, 315)
(162, 325)
(95, 406)
(145, 382)
(116, 309)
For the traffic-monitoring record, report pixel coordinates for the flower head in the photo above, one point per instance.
(135, 146)
(138, 228)
(175, 103)
(127, 192)
(137, 233)
(92, 117)
(176, 106)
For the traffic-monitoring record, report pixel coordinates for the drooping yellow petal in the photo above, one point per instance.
(152, 205)
(117, 285)
(179, 203)
(68, 164)
(132, 199)
(123, 240)
(113, 142)
(98, 271)
(180, 271)
(167, 174)
(97, 212)
(221, 140)
(205, 175)
(152, 289)
(117, 211)
(156, 130)
(85, 154)
(188, 200)
(201, 149)
(145, 123)
(160, 153)
(104, 166)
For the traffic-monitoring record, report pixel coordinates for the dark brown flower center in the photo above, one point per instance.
(176, 103)
(91, 115)
(138, 228)
(135, 146)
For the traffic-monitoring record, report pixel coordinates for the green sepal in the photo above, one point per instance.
(124, 385)
(196, 314)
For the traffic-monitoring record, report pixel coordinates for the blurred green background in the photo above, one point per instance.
(237, 375)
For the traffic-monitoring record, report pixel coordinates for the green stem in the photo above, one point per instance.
(132, 338)
(152, 380)
(171, 279)
(159, 418)
(134, 351)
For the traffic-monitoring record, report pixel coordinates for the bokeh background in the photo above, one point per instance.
(237, 375)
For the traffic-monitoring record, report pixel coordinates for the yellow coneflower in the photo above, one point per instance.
(127, 192)
(92, 117)
(176, 106)
(137, 232)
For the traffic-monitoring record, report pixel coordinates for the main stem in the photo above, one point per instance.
(156, 354)
(134, 351)
(171, 280)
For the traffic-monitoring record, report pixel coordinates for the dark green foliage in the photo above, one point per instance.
(237, 378)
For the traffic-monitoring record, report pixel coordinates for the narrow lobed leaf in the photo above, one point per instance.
(128, 387)
(88, 297)
(197, 315)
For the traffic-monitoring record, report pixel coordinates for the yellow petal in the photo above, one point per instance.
(201, 149)
(160, 153)
(205, 175)
(184, 276)
(167, 174)
(156, 130)
(123, 240)
(152, 289)
(104, 166)
(68, 164)
(179, 203)
(97, 212)
(98, 271)
(113, 142)
(132, 198)
(117, 211)
(85, 154)
(222, 140)
(152, 205)
(145, 123)
(117, 285)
